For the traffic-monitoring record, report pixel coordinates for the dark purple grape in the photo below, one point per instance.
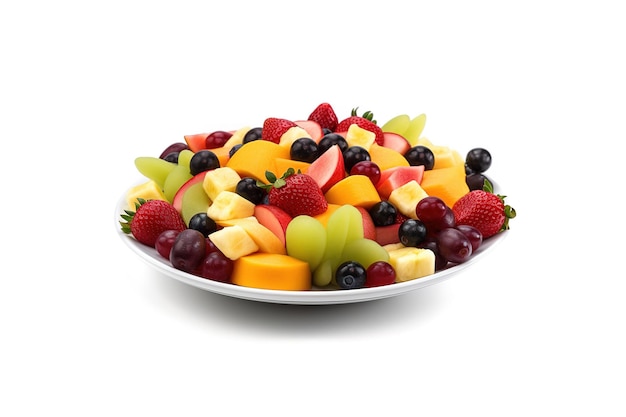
(217, 139)
(171, 157)
(430, 209)
(353, 155)
(350, 275)
(174, 147)
(383, 213)
(234, 149)
(203, 160)
(420, 155)
(478, 160)
(188, 250)
(473, 234)
(454, 245)
(304, 149)
(412, 232)
(217, 267)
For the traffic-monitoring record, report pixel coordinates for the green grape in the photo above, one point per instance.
(364, 251)
(306, 240)
(414, 131)
(174, 181)
(344, 225)
(195, 200)
(156, 169)
(184, 157)
(398, 124)
(323, 274)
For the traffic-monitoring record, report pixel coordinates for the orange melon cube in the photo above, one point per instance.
(386, 158)
(222, 154)
(355, 190)
(446, 183)
(256, 157)
(271, 271)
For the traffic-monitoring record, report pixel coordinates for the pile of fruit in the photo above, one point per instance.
(316, 203)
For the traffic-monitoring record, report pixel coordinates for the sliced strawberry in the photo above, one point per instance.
(274, 128)
(364, 122)
(325, 116)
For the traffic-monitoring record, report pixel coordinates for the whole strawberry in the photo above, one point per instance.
(325, 116)
(296, 193)
(150, 219)
(484, 210)
(364, 122)
(274, 128)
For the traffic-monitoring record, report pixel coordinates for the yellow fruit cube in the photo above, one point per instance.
(148, 191)
(230, 205)
(411, 263)
(357, 136)
(234, 242)
(291, 135)
(220, 179)
(406, 197)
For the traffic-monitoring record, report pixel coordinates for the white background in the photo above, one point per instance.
(88, 329)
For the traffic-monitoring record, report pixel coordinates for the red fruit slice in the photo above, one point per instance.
(328, 169)
(396, 177)
(196, 142)
(396, 142)
(274, 218)
(177, 201)
(386, 235)
(369, 228)
(312, 128)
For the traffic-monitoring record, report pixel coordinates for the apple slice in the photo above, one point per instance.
(274, 218)
(396, 142)
(177, 202)
(313, 129)
(369, 229)
(328, 169)
(393, 178)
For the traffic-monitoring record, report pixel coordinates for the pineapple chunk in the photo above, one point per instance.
(220, 179)
(357, 136)
(406, 197)
(234, 242)
(291, 135)
(411, 263)
(230, 205)
(148, 191)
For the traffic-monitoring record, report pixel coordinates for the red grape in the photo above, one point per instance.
(379, 273)
(367, 168)
(165, 241)
(217, 139)
(216, 267)
(473, 234)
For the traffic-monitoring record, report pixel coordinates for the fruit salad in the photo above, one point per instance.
(315, 203)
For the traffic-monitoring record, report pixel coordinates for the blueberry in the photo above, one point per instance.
(355, 154)
(331, 139)
(203, 160)
(203, 224)
(383, 213)
(304, 149)
(412, 232)
(420, 155)
(253, 134)
(247, 188)
(350, 275)
(478, 160)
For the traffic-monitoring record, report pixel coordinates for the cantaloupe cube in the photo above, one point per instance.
(272, 271)
(446, 183)
(355, 190)
(256, 157)
(386, 158)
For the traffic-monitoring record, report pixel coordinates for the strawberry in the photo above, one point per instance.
(364, 122)
(325, 116)
(296, 193)
(484, 210)
(274, 128)
(150, 219)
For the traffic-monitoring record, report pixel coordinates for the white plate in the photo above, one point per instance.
(319, 297)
